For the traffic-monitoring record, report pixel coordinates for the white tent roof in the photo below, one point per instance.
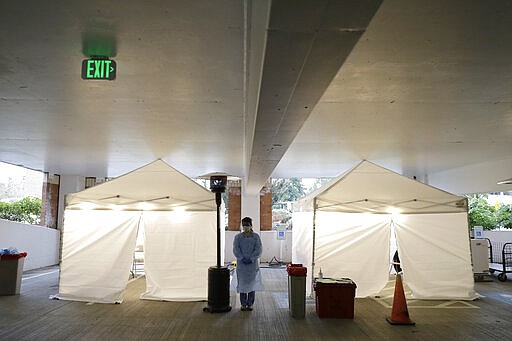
(374, 189)
(156, 186)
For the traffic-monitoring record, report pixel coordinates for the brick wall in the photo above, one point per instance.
(234, 205)
(50, 200)
(266, 208)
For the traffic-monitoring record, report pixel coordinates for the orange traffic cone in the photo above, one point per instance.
(399, 312)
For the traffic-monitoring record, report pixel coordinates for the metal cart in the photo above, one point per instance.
(500, 261)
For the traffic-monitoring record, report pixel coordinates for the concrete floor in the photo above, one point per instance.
(33, 316)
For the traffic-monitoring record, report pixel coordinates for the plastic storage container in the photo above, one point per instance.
(335, 297)
(297, 289)
(11, 269)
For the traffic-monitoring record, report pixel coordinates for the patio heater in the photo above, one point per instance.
(218, 276)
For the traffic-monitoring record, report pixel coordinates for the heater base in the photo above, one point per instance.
(218, 290)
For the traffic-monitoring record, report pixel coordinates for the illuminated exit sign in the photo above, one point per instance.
(99, 68)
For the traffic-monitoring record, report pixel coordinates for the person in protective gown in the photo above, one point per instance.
(247, 249)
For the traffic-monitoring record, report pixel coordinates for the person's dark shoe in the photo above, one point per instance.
(249, 307)
(244, 308)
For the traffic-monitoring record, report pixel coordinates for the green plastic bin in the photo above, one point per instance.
(297, 290)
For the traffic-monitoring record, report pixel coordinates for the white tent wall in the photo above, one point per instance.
(435, 255)
(179, 249)
(302, 243)
(354, 246)
(97, 254)
(434, 251)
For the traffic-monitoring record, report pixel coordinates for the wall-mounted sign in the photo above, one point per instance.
(478, 232)
(99, 68)
(281, 232)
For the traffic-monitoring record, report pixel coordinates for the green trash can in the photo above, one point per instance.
(11, 269)
(297, 290)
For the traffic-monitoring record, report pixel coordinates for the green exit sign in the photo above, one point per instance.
(96, 68)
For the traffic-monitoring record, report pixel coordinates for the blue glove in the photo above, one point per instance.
(246, 261)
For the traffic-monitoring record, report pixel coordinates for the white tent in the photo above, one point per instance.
(344, 229)
(179, 221)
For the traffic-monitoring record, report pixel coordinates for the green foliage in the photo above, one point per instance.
(27, 210)
(480, 212)
(489, 217)
(286, 190)
(504, 216)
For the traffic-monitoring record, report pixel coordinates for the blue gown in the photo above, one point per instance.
(248, 275)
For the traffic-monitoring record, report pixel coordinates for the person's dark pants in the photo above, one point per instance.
(247, 298)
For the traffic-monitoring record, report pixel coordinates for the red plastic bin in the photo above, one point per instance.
(335, 297)
(296, 270)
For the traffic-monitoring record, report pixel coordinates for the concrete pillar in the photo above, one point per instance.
(266, 207)
(68, 184)
(258, 207)
(234, 205)
(50, 200)
(251, 208)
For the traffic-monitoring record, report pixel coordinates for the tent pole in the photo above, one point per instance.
(313, 251)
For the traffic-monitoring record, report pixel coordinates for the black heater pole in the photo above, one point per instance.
(218, 276)
(218, 202)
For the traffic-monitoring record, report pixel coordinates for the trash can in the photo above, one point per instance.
(289, 265)
(11, 269)
(335, 297)
(297, 290)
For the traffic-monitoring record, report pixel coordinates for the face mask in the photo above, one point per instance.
(246, 228)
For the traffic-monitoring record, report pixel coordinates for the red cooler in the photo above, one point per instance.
(335, 297)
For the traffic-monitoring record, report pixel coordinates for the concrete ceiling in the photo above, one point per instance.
(259, 88)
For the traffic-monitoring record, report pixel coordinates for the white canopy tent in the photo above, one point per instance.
(179, 221)
(344, 229)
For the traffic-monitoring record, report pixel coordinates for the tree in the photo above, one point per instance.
(504, 216)
(480, 212)
(286, 190)
(489, 217)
